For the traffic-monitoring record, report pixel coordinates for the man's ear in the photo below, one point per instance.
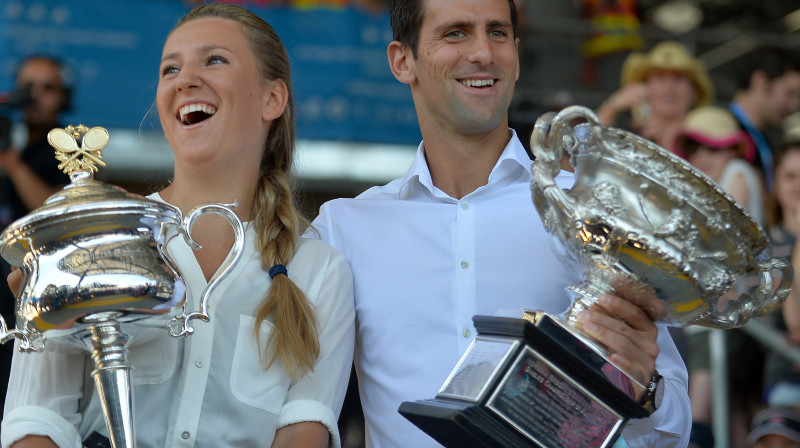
(759, 81)
(276, 96)
(401, 61)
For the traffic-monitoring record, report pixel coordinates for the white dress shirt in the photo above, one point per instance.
(208, 389)
(424, 263)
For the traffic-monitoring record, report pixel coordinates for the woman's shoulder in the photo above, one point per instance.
(311, 251)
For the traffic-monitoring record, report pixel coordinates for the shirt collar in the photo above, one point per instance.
(512, 162)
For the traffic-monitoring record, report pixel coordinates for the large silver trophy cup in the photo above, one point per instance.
(95, 265)
(639, 222)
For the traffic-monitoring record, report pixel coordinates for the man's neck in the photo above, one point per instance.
(749, 106)
(460, 165)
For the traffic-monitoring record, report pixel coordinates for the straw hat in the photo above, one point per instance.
(669, 55)
(715, 127)
(782, 421)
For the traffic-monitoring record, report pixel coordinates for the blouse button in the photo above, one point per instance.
(185, 434)
(466, 332)
(464, 264)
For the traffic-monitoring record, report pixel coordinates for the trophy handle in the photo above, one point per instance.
(766, 298)
(30, 341)
(550, 140)
(180, 325)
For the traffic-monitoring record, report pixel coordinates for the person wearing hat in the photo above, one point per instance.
(658, 89)
(776, 427)
(712, 141)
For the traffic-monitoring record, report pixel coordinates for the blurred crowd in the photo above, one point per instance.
(667, 96)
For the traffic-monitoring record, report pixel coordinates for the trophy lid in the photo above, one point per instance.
(85, 206)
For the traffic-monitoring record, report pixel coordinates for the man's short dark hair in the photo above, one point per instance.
(406, 21)
(773, 61)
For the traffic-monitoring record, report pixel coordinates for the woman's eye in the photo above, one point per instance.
(169, 69)
(214, 59)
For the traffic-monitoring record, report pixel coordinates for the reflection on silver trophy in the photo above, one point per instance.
(95, 267)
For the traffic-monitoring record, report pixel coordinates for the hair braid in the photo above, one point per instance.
(276, 219)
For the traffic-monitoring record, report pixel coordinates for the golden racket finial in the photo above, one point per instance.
(76, 158)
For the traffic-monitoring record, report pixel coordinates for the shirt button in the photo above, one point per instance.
(185, 434)
(199, 363)
(466, 332)
(464, 264)
(465, 205)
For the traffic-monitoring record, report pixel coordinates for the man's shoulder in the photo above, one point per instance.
(387, 192)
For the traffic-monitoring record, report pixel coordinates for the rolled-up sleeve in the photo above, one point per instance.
(318, 396)
(44, 394)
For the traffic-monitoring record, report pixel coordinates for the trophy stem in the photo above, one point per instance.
(112, 377)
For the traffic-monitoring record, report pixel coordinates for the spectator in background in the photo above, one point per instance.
(31, 172)
(658, 90)
(777, 427)
(781, 378)
(768, 90)
(712, 141)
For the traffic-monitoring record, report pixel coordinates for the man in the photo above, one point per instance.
(459, 235)
(31, 174)
(777, 427)
(768, 90)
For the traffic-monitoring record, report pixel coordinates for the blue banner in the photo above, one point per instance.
(344, 89)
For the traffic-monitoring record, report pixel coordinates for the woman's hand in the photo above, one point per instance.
(14, 279)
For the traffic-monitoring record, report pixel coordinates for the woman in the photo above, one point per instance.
(271, 367)
(658, 89)
(781, 378)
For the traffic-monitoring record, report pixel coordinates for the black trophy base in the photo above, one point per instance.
(527, 384)
(458, 424)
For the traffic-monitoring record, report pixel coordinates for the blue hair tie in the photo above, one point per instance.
(277, 269)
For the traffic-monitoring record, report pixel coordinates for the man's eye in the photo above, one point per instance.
(455, 34)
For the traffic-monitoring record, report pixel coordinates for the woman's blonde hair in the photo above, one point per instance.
(277, 220)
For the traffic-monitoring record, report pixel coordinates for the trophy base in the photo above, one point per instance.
(528, 384)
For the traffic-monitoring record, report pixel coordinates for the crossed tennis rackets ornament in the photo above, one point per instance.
(75, 157)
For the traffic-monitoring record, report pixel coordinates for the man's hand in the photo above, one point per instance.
(628, 333)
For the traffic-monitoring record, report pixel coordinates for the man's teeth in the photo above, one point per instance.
(478, 82)
(205, 108)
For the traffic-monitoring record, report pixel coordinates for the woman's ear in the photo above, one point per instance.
(277, 95)
(401, 61)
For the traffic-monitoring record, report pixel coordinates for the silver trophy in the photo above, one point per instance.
(639, 222)
(95, 266)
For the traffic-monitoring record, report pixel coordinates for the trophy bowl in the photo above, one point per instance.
(643, 223)
(97, 275)
(639, 222)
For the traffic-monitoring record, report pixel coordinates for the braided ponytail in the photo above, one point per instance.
(277, 220)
